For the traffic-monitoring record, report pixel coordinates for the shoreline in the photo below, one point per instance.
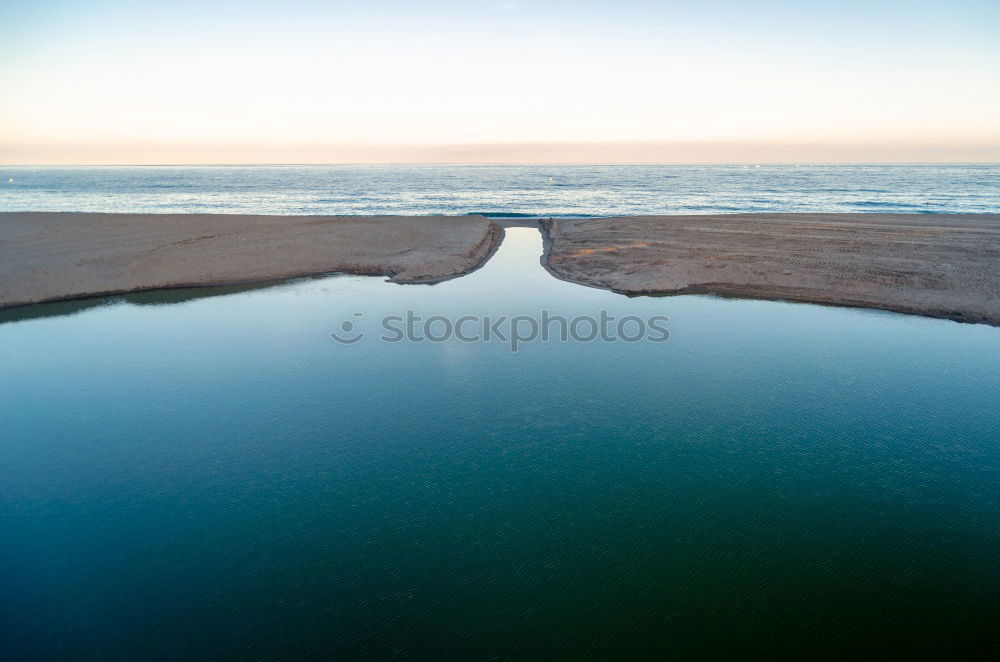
(944, 266)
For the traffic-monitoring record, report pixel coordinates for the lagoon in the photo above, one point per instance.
(206, 472)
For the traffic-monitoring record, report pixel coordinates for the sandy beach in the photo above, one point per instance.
(56, 256)
(945, 266)
(937, 265)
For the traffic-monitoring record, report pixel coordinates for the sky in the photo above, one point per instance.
(498, 81)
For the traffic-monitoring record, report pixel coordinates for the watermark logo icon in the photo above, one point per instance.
(348, 334)
(514, 331)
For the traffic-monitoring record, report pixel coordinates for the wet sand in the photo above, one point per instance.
(938, 265)
(56, 256)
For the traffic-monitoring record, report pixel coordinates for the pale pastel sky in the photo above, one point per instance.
(505, 81)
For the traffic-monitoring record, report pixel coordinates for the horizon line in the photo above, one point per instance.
(496, 163)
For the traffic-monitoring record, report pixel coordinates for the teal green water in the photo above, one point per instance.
(216, 477)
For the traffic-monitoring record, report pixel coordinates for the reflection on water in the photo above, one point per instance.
(147, 298)
(217, 476)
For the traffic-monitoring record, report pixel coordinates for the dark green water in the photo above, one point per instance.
(216, 477)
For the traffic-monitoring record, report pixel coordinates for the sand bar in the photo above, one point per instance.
(938, 265)
(54, 256)
(945, 266)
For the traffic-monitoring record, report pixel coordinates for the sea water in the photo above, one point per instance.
(536, 190)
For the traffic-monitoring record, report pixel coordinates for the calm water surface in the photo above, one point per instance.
(192, 476)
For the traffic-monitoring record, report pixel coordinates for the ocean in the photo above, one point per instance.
(536, 190)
